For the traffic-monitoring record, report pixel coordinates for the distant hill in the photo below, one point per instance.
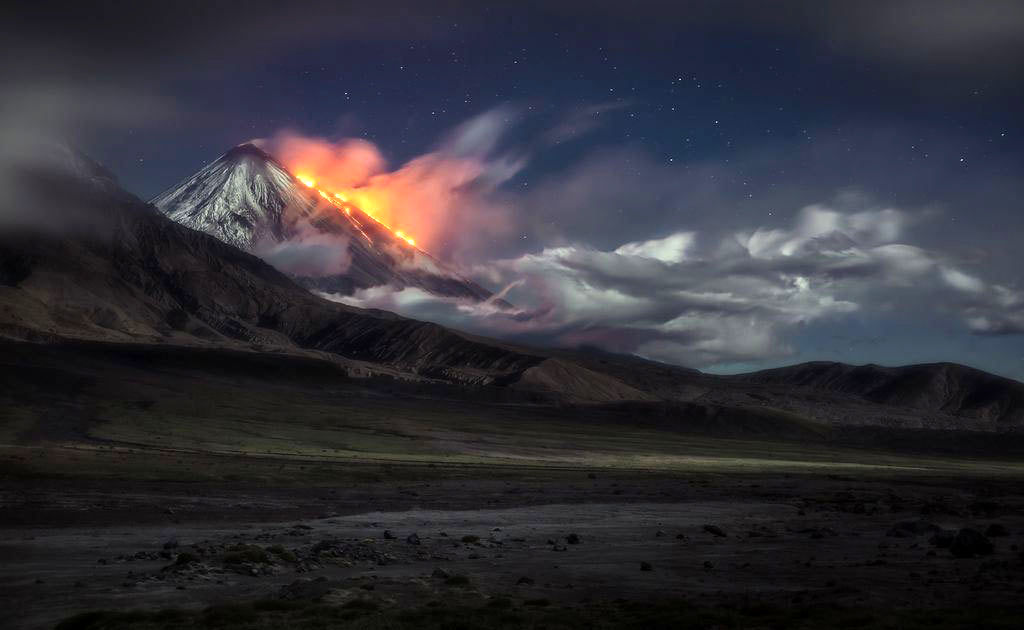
(947, 388)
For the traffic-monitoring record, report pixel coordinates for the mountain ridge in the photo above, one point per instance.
(138, 277)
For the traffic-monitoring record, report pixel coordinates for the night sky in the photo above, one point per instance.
(729, 185)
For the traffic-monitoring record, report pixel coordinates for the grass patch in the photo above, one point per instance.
(282, 553)
(239, 554)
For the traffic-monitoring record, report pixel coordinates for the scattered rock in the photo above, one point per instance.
(388, 535)
(910, 529)
(708, 565)
(305, 588)
(659, 534)
(413, 539)
(969, 543)
(457, 580)
(527, 581)
(819, 532)
(715, 530)
(171, 544)
(573, 539)
(996, 530)
(986, 507)
(440, 574)
(943, 539)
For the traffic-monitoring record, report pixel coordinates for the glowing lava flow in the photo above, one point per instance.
(341, 202)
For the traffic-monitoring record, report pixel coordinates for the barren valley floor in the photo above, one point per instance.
(548, 546)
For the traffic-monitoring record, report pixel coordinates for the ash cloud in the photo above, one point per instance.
(447, 199)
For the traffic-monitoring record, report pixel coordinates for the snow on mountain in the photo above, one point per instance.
(248, 199)
(241, 198)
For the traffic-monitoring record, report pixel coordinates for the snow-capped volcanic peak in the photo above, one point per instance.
(241, 198)
(248, 199)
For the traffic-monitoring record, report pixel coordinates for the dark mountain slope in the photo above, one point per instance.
(938, 387)
(130, 274)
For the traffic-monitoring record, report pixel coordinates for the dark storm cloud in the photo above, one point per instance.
(78, 67)
(108, 62)
(986, 37)
(73, 71)
(941, 36)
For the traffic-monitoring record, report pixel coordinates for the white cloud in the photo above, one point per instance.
(706, 299)
(961, 281)
(671, 249)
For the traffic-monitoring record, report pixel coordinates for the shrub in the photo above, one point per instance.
(282, 553)
(246, 553)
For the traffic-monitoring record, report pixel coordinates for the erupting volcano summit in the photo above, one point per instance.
(250, 200)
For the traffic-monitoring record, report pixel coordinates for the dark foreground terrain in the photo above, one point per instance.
(160, 487)
(396, 546)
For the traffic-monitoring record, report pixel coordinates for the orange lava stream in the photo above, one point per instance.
(341, 202)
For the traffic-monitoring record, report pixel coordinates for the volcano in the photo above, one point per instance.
(99, 271)
(248, 199)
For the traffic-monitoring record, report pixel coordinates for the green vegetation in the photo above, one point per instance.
(368, 615)
(282, 553)
(239, 554)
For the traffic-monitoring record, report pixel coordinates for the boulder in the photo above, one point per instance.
(969, 543)
(715, 530)
(910, 529)
(305, 588)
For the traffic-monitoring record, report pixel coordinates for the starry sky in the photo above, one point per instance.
(727, 185)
